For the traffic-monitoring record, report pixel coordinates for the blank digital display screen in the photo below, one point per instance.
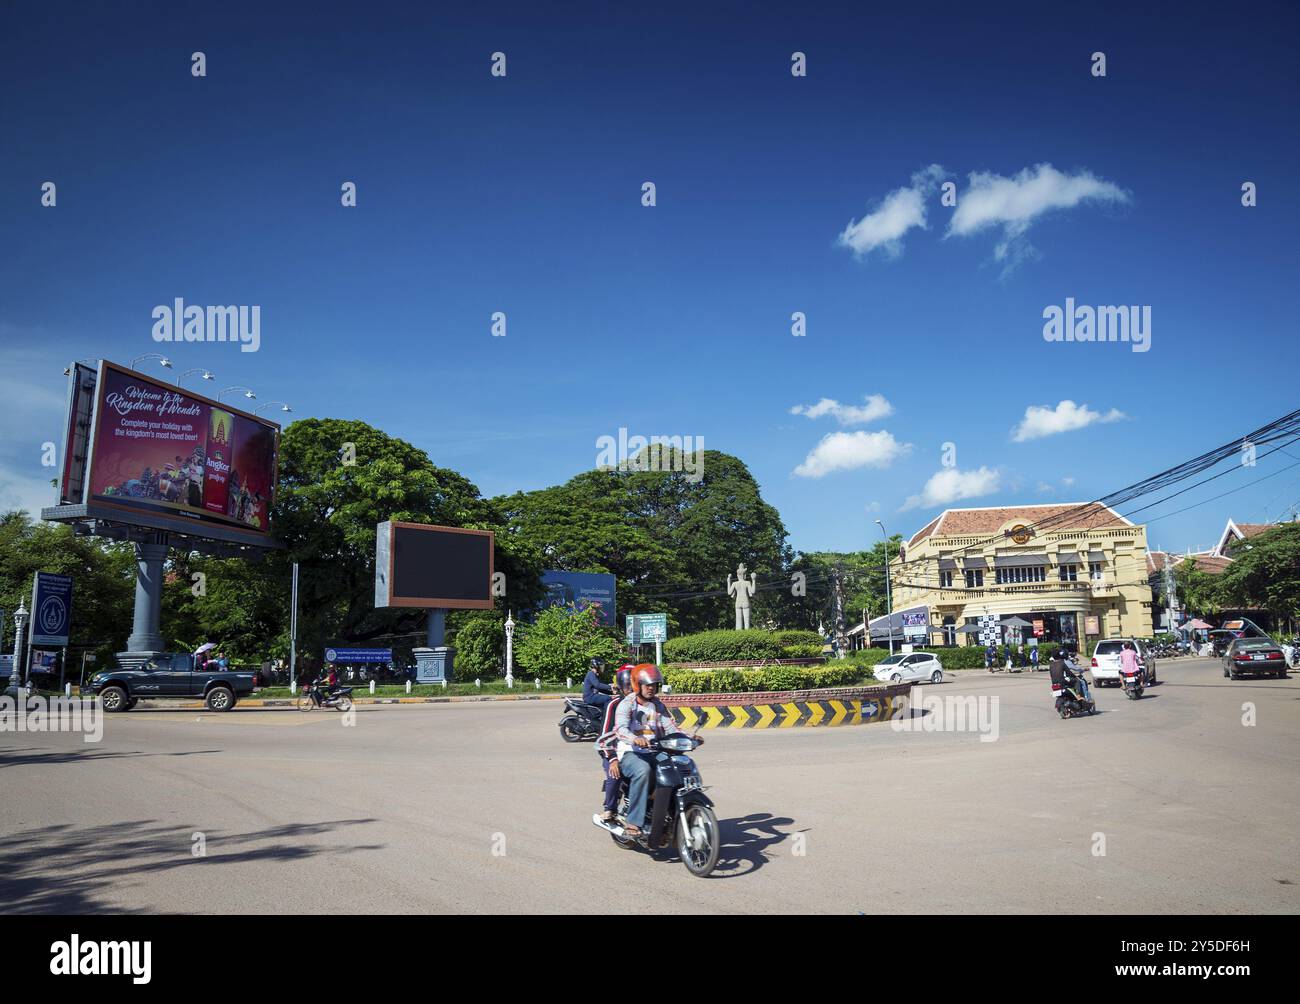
(441, 564)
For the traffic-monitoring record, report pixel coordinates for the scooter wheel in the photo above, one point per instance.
(569, 729)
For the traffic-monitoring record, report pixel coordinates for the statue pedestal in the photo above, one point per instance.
(433, 665)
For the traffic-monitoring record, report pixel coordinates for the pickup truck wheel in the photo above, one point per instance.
(113, 699)
(132, 703)
(220, 699)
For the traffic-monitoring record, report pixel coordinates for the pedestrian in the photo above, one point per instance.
(1033, 658)
(988, 657)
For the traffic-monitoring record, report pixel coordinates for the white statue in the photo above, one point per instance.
(742, 589)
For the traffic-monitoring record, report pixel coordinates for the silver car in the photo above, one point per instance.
(915, 666)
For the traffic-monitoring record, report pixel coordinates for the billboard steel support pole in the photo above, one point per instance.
(146, 635)
(293, 628)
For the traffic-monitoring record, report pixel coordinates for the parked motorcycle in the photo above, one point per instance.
(581, 721)
(679, 810)
(316, 696)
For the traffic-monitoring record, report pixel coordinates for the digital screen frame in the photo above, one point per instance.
(434, 567)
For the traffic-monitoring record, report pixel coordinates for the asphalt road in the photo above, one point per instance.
(481, 807)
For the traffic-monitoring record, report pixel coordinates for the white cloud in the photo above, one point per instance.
(847, 414)
(1067, 482)
(1044, 488)
(899, 211)
(950, 485)
(846, 451)
(1015, 203)
(1043, 420)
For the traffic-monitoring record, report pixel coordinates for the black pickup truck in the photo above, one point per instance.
(170, 674)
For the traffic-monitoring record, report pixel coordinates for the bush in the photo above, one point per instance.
(561, 643)
(790, 638)
(724, 646)
(480, 647)
(730, 681)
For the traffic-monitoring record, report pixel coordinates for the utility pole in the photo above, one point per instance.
(841, 640)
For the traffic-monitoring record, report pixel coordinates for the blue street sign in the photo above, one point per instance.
(358, 655)
(51, 609)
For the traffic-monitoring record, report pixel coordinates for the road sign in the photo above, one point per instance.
(644, 628)
(51, 609)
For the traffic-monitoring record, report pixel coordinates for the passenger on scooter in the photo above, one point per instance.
(1070, 682)
(1080, 682)
(639, 719)
(608, 761)
(1129, 664)
(593, 690)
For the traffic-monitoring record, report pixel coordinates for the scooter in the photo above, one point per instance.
(581, 721)
(1070, 701)
(679, 810)
(315, 697)
(1132, 683)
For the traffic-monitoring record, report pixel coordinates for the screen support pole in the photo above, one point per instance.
(433, 663)
(146, 636)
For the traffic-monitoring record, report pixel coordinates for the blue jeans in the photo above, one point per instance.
(638, 768)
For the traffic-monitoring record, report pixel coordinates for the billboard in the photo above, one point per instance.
(436, 567)
(76, 433)
(582, 589)
(160, 448)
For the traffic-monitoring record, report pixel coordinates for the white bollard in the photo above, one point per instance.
(372, 688)
(537, 682)
(510, 683)
(67, 690)
(568, 683)
(293, 687)
(478, 683)
(444, 684)
(408, 686)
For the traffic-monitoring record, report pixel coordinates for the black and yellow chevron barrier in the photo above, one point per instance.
(789, 714)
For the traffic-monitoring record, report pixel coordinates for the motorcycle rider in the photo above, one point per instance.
(593, 690)
(640, 718)
(1067, 677)
(608, 761)
(1129, 664)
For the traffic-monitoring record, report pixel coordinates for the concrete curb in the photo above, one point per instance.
(789, 709)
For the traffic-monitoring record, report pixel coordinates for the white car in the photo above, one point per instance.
(1105, 660)
(917, 666)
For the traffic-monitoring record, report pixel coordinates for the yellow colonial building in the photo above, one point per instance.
(1070, 571)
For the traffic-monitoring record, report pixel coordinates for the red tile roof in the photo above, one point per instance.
(1053, 516)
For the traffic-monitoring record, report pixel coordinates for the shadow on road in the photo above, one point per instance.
(746, 842)
(30, 756)
(63, 869)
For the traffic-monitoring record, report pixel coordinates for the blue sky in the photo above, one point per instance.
(522, 194)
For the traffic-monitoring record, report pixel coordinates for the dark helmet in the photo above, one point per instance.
(597, 664)
(624, 677)
(648, 673)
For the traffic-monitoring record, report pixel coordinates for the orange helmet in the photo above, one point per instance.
(649, 673)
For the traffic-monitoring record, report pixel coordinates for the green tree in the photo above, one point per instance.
(103, 573)
(1199, 590)
(1265, 573)
(480, 646)
(561, 643)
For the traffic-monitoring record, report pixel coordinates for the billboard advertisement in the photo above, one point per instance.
(435, 567)
(76, 433)
(582, 589)
(158, 447)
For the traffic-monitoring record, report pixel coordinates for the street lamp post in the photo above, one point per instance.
(272, 404)
(510, 650)
(15, 679)
(247, 393)
(207, 374)
(889, 603)
(166, 363)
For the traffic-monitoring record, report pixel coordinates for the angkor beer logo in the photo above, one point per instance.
(179, 323)
(1020, 533)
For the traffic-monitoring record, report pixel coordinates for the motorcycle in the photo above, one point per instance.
(1132, 683)
(581, 721)
(1070, 701)
(313, 696)
(678, 809)
(1295, 652)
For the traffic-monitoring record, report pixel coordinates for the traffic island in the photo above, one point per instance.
(787, 709)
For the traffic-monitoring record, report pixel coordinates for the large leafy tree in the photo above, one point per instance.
(1265, 573)
(668, 538)
(103, 581)
(338, 479)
